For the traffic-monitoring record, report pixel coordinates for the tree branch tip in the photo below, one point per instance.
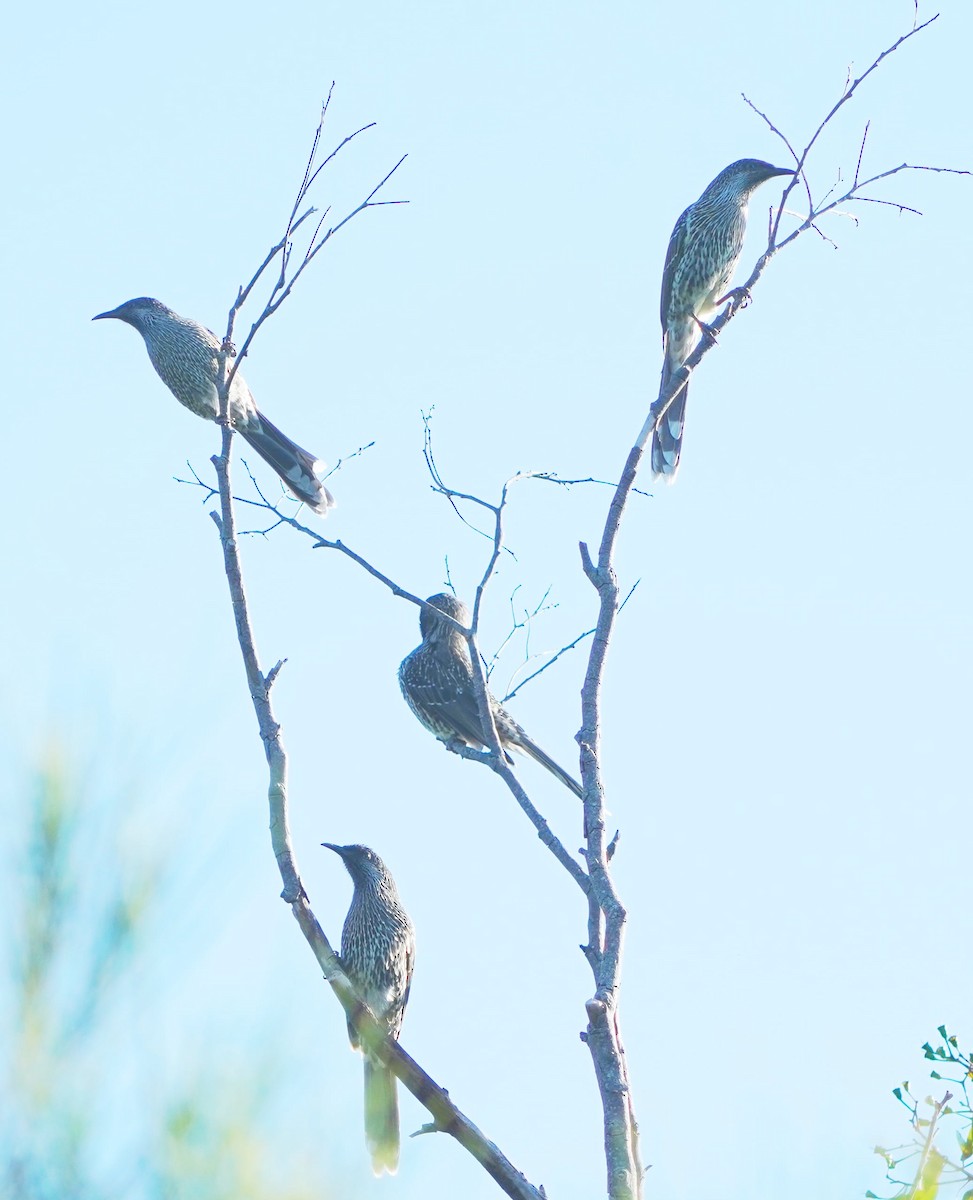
(429, 1127)
(271, 677)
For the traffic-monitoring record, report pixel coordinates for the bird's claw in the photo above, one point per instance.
(737, 298)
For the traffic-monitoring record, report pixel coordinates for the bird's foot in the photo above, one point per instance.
(228, 348)
(736, 298)
(459, 745)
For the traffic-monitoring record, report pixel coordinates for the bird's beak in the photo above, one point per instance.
(102, 316)
(339, 850)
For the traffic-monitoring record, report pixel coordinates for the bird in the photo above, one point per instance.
(703, 253)
(378, 952)
(437, 682)
(184, 354)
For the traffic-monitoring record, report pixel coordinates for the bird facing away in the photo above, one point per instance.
(437, 681)
(378, 952)
(184, 353)
(703, 253)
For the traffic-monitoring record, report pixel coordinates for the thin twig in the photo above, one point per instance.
(282, 285)
(552, 477)
(847, 93)
(280, 293)
(564, 649)
(861, 151)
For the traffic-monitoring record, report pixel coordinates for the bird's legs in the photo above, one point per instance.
(737, 298)
(706, 330)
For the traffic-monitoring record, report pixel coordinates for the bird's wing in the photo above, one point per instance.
(677, 243)
(410, 962)
(450, 705)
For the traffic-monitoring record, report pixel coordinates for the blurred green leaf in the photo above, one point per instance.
(927, 1187)
(78, 940)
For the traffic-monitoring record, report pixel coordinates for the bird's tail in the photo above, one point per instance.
(545, 760)
(381, 1116)
(296, 467)
(667, 435)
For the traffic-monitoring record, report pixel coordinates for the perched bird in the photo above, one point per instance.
(437, 681)
(703, 253)
(184, 353)
(378, 951)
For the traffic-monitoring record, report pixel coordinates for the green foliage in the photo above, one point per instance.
(203, 1158)
(76, 1122)
(935, 1175)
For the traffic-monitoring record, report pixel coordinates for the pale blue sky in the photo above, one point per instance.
(787, 706)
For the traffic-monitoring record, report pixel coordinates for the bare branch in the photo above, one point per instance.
(606, 914)
(550, 663)
(861, 151)
(451, 494)
(447, 1117)
(499, 764)
(197, 482)
(552, 477)
(793, 153)
(564, 650)
(847, 93)
(515, 627)
(283, 289)
(271, 677)
(283, 285)
(902, 208)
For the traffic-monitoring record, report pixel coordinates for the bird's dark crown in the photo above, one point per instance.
(750, 172)
(446, 602)
(135, 312)
(358, 859)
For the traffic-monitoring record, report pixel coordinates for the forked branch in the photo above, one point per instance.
(447, 1118)
(607, 916)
